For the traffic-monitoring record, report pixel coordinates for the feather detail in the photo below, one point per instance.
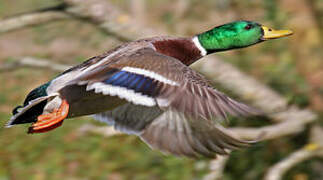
(129, 118)
(149, 74)
(179, 134)
(172, 131)
(136, 88)
(123, 93)
(28, 113)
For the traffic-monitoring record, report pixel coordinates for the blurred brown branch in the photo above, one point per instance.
(109, 19)
(106, 131)
(30, 19)
(216, 168)
(181, 7)
(33, 62)
(97, 12)
(313, 149)
(138, 10)
(317, 15)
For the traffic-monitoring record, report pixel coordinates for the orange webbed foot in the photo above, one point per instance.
(47, 122)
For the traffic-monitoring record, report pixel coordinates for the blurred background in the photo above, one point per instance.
(292, 66)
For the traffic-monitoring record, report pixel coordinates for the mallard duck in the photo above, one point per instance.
(146, 88)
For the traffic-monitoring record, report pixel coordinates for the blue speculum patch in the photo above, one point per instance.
(137, 82)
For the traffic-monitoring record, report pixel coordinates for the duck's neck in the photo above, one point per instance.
(187, 50)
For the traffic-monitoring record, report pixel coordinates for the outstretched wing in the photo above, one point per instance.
(171, 131)
(152, 79)
(179, 134)
(191, 107)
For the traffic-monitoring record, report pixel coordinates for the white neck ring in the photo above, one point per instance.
(199, 46)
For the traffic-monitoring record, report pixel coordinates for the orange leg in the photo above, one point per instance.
(47, 122)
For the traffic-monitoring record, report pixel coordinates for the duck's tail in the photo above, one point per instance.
(29, 112)
(32, 107)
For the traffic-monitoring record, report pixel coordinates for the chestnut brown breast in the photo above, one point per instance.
(181, 48)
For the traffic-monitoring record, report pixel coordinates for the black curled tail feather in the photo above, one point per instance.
(15, 110)
(33, 106)
(30, 115)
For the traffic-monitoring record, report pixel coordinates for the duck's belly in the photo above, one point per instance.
(84, 102)
(94, 106)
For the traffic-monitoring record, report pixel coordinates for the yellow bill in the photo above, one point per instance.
(273, 34)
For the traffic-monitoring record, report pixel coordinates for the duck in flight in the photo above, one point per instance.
(147, 88)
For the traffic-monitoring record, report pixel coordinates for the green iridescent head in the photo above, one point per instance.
(237, 34)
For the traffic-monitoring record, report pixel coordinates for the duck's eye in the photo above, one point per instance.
(247, 27)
